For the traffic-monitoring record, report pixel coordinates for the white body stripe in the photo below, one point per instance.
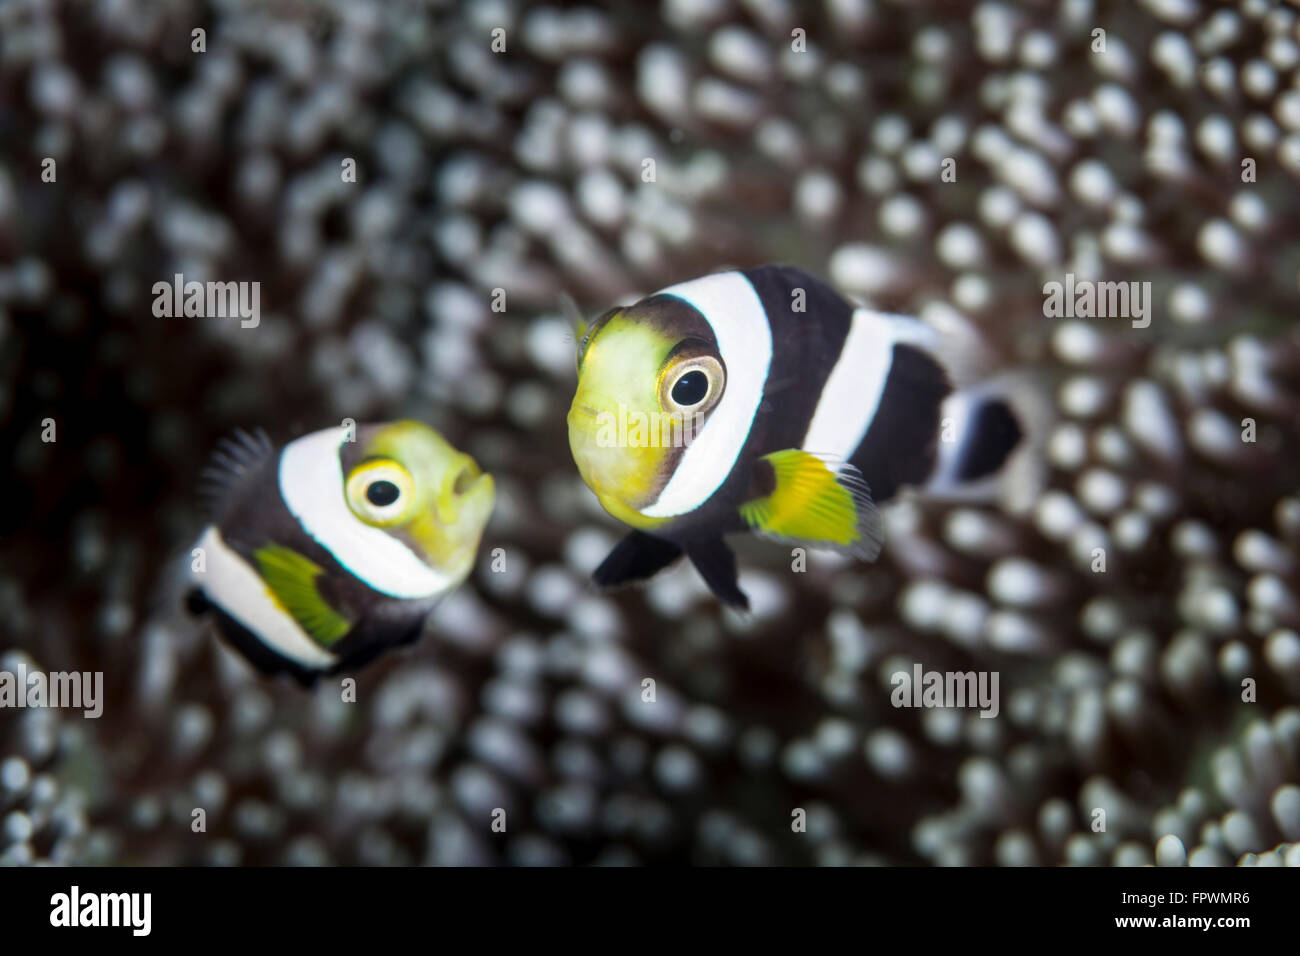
(230, 583)
(851, 396)
(730, 305)
(311, 483)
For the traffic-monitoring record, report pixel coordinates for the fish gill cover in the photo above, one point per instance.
(380, 205)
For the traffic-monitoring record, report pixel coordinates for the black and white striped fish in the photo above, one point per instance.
(763, 400)
(326, 553)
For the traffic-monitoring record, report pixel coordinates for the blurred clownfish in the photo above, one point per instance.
(719, 405)
(328, 552)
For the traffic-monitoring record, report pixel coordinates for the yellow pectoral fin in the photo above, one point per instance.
(818, 501)
(291, 579)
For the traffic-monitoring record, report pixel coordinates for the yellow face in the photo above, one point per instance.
(409, 481)
(642, 395)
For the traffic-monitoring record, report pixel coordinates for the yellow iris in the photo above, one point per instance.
(381, 492)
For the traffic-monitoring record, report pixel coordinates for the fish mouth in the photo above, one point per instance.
(468, 477)
(453, 527)
(466, 497)
(588, 409)
(601, 465)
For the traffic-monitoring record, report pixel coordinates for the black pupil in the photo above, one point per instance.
(381, 493)
(691, 388)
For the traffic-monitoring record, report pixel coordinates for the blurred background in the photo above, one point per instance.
(815, 133)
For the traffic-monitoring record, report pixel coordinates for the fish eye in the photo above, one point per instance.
(691, 388)
(692, 384)
(380, 492)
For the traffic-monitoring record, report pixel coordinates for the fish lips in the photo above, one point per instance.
(450, 533)
(623, 476)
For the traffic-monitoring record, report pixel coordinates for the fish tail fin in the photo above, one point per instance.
(635, 558)
(717, 565)
(175, 615)
(176, 591)
(991, 442)
(196, 602)
(993, 431)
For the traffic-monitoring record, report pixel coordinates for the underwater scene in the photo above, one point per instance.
(704, 432)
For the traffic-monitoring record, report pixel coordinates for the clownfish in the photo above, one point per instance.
(323, 554)
(764, 401)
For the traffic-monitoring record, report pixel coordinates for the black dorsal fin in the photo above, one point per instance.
(234, 460)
